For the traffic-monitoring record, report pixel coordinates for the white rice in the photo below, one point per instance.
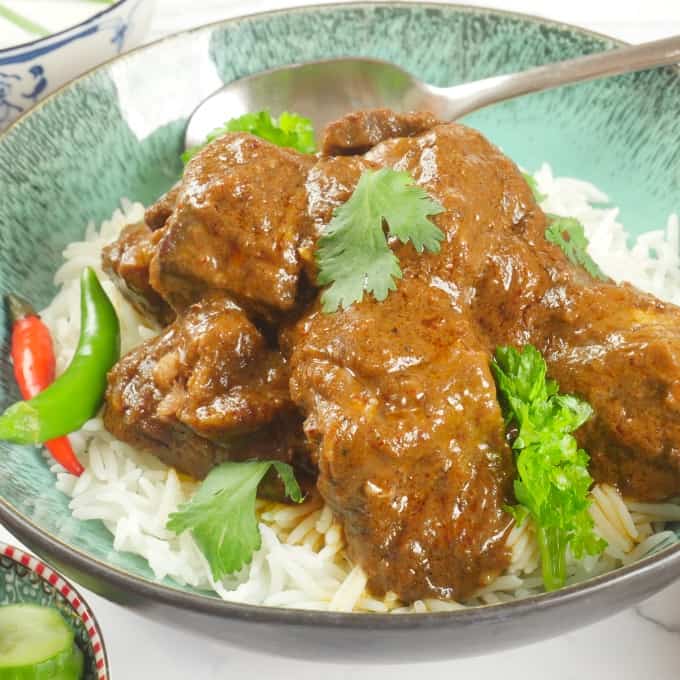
(302, 562)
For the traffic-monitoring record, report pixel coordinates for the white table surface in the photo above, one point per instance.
(641, 643)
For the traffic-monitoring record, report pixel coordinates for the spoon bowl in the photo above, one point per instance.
(321, 91)
(326, 90)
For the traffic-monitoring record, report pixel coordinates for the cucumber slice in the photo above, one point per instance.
(72, 669)
(37, 644)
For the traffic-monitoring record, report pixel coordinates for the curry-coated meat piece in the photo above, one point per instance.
(620, 349)
(409, 438)
(235, 227)
(207, 389)
(127, 260)
(156, 215)
(493, 228)
(359, 131)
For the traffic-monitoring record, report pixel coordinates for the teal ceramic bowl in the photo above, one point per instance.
(26, 580)
(117, 131)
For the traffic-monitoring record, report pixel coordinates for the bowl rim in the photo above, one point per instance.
(36, 41)
(75, 599)
(211, 604)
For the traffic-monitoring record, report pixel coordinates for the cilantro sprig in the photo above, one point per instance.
(533, 185)
(353, 254)
(221, 515)
(553, 479)
(569, 235)
(288, 130)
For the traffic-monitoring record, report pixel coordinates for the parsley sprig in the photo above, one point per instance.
(553, 479)
(353, 254)
(221, 514)
(288, 130)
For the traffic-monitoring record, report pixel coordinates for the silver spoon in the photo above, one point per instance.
(326, 90)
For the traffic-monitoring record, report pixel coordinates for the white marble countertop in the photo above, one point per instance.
(641, 643)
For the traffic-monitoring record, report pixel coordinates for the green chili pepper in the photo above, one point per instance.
(75, 397)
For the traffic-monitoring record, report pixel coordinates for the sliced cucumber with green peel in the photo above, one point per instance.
(37, 644)
(72, 669)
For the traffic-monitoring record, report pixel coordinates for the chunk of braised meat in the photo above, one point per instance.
(357, 132)
(620, 349)
(235, 227)
(207, 389)
(157, 214)
(491, 222)
(127, 260)
(402, 413)
(611, 344)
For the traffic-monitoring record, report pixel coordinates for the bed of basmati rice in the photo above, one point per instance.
(302, 562)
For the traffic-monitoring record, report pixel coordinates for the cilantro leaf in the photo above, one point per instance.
(221, 515)
(353, 254)
(290, 130)
(290, 486)
(533, 185)
(568, 234)
(552, 482)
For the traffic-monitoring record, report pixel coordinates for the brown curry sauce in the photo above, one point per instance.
(400, 413)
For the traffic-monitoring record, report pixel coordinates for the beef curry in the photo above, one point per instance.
(390, 404)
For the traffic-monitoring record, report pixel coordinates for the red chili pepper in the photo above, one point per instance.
(34, 369)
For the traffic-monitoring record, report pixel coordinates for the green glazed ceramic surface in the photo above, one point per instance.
(25, 580)
(118, 132)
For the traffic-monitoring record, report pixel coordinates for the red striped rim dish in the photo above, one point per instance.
(72, 596)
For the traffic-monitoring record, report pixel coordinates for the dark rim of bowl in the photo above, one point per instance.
(22, 558)
(28, 531)
(64, 31)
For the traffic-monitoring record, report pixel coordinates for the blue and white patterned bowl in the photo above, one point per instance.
(30, 71)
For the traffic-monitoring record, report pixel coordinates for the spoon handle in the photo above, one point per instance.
(461, 99)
